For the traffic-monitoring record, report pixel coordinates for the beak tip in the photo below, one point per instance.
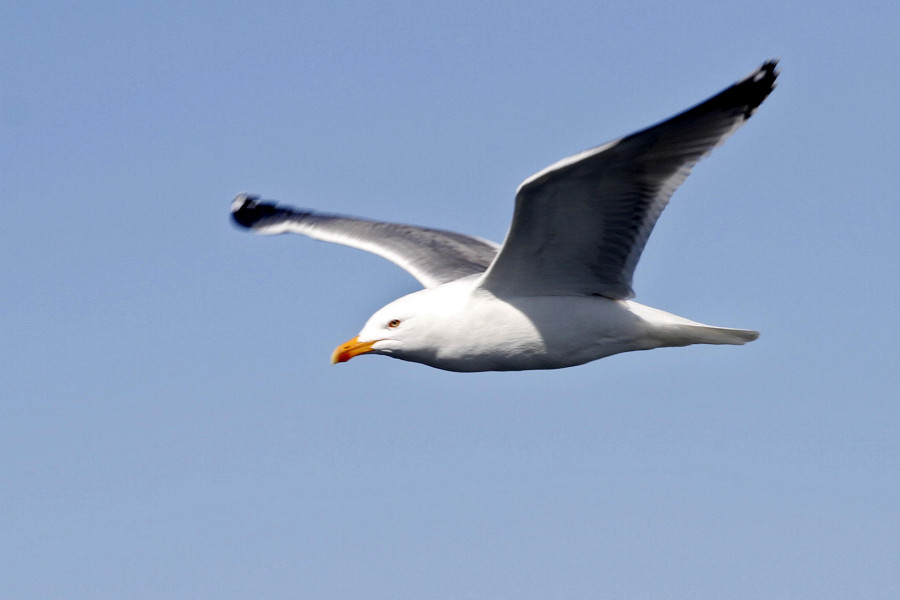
(346, 351)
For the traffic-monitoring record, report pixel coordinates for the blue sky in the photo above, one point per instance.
(170, 425)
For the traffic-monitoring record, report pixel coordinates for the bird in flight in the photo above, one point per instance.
(558, 292)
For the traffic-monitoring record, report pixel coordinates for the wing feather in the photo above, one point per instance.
(430, 255)
(580, 225)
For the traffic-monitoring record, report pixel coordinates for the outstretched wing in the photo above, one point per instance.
(430, 255)
(581, 224)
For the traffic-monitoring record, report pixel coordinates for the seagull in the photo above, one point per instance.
(558, 292)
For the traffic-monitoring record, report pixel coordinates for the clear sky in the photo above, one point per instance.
(170, 426)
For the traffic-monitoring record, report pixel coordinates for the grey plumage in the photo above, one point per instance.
(579, 226)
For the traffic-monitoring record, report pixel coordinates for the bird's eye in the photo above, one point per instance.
(394, 323)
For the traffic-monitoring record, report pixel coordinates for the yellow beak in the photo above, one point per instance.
(348, 350)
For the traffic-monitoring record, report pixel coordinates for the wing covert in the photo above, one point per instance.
(580, 225)
(432, 256)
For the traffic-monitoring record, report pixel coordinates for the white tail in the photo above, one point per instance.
(671, 330)
(707, 334)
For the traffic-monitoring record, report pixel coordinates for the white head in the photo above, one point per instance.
(454, 326)
(410, 328)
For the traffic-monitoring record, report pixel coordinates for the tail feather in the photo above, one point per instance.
(671, 330)
(707, 334)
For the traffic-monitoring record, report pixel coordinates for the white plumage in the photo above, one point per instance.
(558, 292)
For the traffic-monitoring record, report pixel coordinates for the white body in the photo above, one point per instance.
(558, 292)
(460, 327)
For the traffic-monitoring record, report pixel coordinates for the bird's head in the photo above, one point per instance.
(395, 330)
(410, 328)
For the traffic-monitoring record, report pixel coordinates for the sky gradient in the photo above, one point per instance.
(170, 426)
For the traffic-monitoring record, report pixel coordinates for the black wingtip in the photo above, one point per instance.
(767, 73)
(757, 86)
(247, 210)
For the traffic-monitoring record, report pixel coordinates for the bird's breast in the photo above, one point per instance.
(542, 332)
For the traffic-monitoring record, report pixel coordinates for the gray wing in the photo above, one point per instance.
(430, 255)
(581, 224)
